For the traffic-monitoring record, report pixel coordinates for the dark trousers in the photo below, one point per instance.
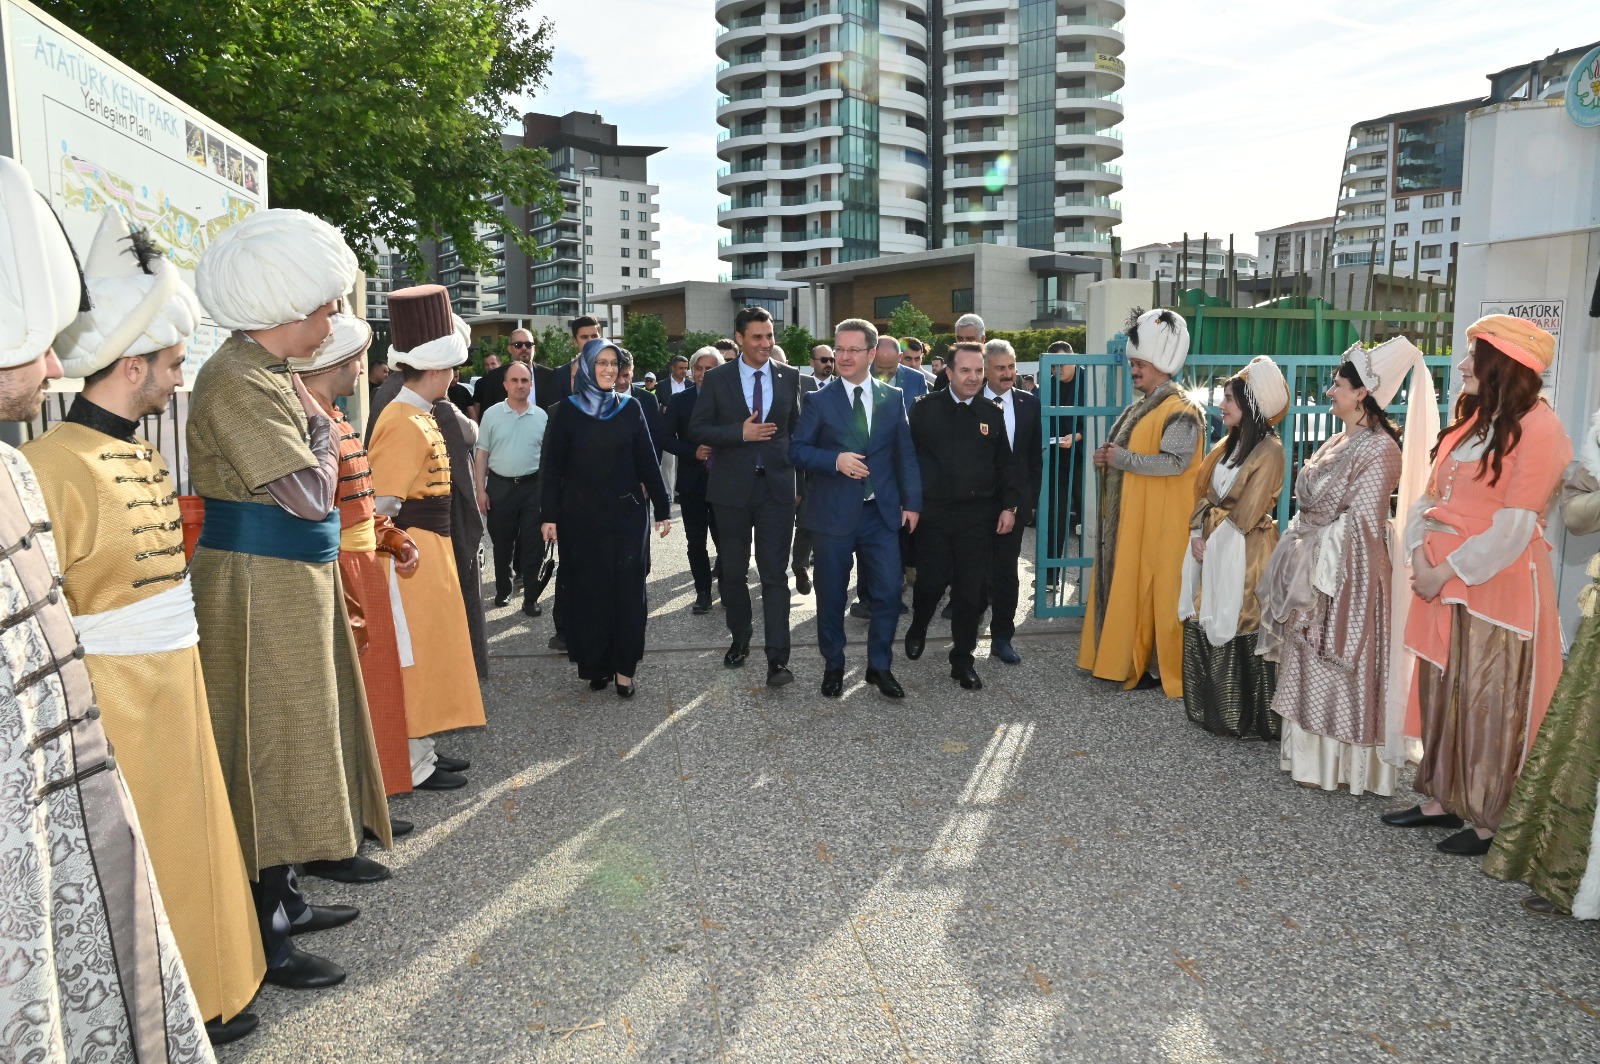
(514, 528)
(278, 904)
(801, 556)
(1001, 588)
(953, 545)
(876, 547)
(770, 519)
(699, 524)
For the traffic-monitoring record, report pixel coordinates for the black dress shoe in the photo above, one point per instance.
(1534, 903)
(702, 605)
(451, 764)
(968, 677)
(220, 1034)
(356, 869)
(832, 683)
(737, 653)
(324, 917)
(916, 640)
(949, 611)
(886, 683)
(305, 971)
(600, 684)
(1001, 648)
(558, 642)
(1148, 682)
(397, 828)
(441, 780)
(778, 674)
(625, 690)
(1416, 818)
(1466, 843)
(859, 609)
(802, 581)
(502, 600)
(532, 609)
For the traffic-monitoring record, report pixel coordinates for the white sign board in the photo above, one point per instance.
(96, 136)
(1546, 314)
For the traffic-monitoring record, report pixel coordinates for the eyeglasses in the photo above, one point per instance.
(605, 363)
(521, 343)
(824, 361)
(856, 350)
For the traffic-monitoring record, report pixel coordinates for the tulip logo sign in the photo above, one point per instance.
(1583, 90)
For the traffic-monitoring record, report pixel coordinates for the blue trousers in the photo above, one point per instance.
(878, 548)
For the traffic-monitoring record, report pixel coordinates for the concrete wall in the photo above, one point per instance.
(1531, 234)
(928, 287)
(1005, 290)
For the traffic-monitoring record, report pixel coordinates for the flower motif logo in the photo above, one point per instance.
(1583, 91)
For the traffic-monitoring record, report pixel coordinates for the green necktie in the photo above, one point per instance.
(865, 434)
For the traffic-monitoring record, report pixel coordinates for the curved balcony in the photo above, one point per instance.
(903, 29)
(1112, 73)
(743, 101)
(1075, 133)
(902, 136)
(723, 10)
(774, 169)
(980, 105)
(801, 95)
(1366, 146)
(1089, 206)
(898, 99)
(775, 133)
(904, 65)
(969, 213)
(992, 36)
(799, 59)
(1094, 27)
(1351, 197)
(1082, 241)
(742, 31)
(995, 139)
(1088, 170)
(977, 7)
(800, 240)
(1107, 105)
(969, 73)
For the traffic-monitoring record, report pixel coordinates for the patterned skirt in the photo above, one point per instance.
(1228, 690)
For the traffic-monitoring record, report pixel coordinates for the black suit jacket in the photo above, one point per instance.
(718, 420)
(1028, 451)
(675, 440)
(652, 415)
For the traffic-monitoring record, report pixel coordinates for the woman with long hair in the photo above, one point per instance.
(600, 478)
(1326, 596)
(1227, 688)
(1483, 624)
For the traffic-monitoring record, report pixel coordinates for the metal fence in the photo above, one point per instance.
(1102, 389)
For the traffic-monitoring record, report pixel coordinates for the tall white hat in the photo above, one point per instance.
(350, 338)
(41, 290)
(1161, 338)
(1268, 391)
(275, 267)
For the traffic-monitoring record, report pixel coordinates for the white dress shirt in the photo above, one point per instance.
(1008, 407)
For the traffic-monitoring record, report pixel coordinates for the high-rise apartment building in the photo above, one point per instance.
(854, 129)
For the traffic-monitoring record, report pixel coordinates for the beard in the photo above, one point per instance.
(20, 401)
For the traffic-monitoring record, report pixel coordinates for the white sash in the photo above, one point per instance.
(150, 626)
(402, 630)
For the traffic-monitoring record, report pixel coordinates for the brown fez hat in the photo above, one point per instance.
(424, 333)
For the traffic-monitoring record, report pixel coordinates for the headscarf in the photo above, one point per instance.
(587, 395)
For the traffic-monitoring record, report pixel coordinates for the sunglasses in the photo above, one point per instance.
(824, 361)
(522, 343)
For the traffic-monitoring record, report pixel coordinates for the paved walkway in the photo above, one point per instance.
(1050, 869)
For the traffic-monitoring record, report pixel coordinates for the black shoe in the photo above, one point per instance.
(802, 581)
(1416, 818)
(558, 642)
(502, 600)
(324, 917)
(904, 609)
(1001, 648)
(832, 683)
(702, 605)
(532, 609)
(916, 640)
(350, 870)
(1534, 903)
(451, 764)
(886, 683)
(397, 828)
(949, 611)
(859, 609)
(737, 653)
(441, 780)
(778, 674)
(968, 677)
(220, 1034)
(600, 684)
(625, 690)
(1148, 682)
(305, 971)
(1466, 843)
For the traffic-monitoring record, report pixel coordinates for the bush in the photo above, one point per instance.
(481, 350)
(907, 320)
(797, 344)
(694, 341)
(554, 346)
(646, 338)
(1029, 343)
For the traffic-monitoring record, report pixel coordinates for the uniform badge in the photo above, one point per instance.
(983, 427)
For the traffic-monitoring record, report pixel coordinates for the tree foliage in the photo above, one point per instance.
(797, 344)
(907, 320)
(646, 338)
(480, 351)
(1029, 344)
(694, 341)
(554, 346)
(382, 116)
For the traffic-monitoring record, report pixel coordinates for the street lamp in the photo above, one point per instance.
(583, 239)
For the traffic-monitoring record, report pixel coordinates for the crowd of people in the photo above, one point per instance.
(187, 741)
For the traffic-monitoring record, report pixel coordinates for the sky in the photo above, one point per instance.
(1237, 110)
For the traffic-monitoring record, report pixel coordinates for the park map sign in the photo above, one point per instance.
(96, 136)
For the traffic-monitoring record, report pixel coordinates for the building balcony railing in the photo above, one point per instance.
(740, 96)
(1078, 200)
(745, 203)
(801, 90)
(988, 29)
(1367, 169)
(1088, 20)
(741, 60)
(1082, 236)
(1086, 129)
(802, 16)
(740, 24)
(963, 237)
(1092, 95)
(1360, 258)
(1361, 144)
(804, 53)
(978, 136)
(1084, 166)
(1060, 310)
(988, 99)
(749, 273)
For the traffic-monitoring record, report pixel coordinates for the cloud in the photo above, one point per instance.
(630, 51)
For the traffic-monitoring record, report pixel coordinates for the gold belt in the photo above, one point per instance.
(359, 539)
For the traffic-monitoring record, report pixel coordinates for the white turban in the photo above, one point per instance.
(138, 302)
(40, 287)
(445, 352)
(1268, 391)
(275, 267)
(350, 338)
(1161, 338)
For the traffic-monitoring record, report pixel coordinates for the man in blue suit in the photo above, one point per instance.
(853, 439)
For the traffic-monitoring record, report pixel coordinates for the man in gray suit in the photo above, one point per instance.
(746, 412)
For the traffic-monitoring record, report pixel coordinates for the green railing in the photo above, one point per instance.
(1063, 554)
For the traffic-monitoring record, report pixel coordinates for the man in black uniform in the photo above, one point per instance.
(698, 524)
(1024, 429)
(970, 493)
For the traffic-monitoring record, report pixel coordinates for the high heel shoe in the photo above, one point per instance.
(600, 684)
(625, 690)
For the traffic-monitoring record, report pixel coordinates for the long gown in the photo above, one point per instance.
(1227, 687)
(1325, 607)
(597, 475)
(1546, 837)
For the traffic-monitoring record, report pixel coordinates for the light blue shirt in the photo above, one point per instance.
(513, 441)
(747, 376)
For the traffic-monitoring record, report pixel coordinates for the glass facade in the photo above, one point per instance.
(1430, 153)
(858, 115)
(1036, 123)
